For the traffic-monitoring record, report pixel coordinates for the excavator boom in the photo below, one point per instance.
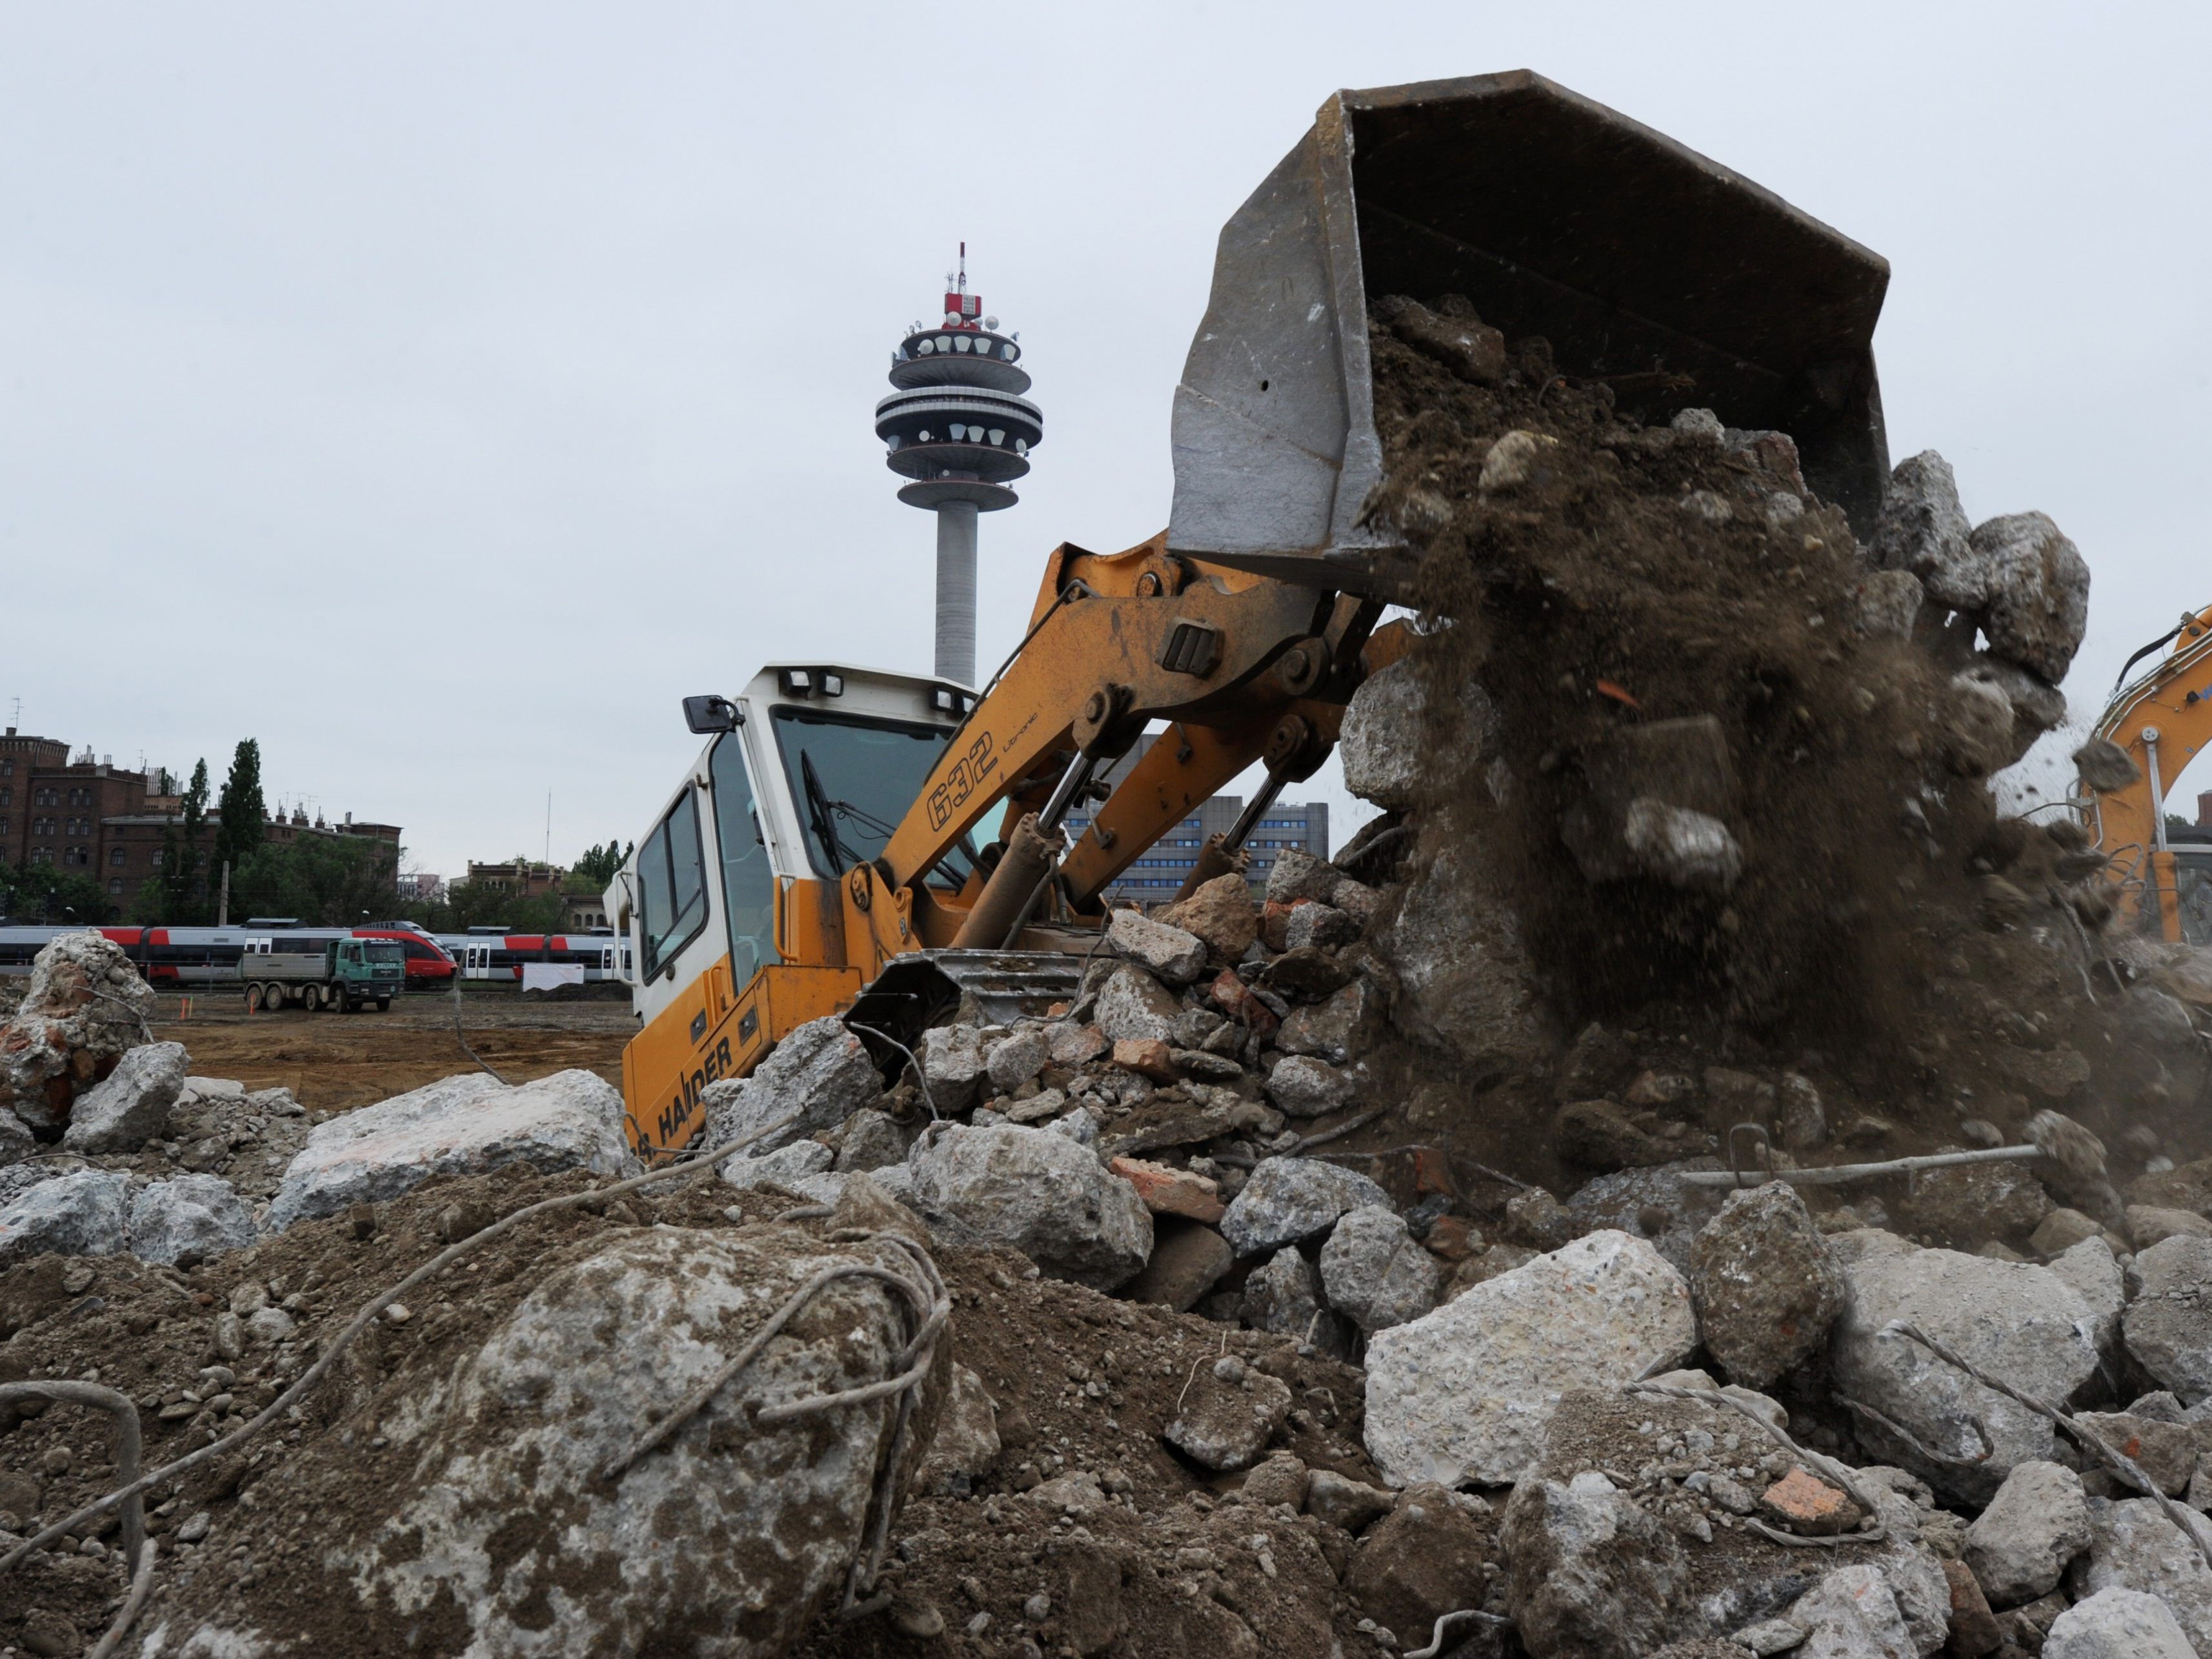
(2162, 720)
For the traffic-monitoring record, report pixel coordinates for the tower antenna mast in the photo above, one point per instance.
(958, 429)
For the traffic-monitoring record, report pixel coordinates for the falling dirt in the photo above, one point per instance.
(1887, 935)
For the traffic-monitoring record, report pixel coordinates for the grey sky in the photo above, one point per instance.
(438, 393)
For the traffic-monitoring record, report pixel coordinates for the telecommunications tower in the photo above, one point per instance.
(960, 431)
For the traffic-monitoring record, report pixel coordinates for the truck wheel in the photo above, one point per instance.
(253, 999)
(311, 997)
(272, 997)
(345, 1000)
(384, 1005)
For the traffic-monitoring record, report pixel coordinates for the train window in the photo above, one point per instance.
(672, 880)
(748, 884)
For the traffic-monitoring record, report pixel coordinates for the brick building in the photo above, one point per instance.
(87, 817)
(583, 908)
(1156, 874)
(519, 877)
(55, 809)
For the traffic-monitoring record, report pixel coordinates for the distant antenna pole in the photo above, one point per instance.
(16, 719)
(548, 829)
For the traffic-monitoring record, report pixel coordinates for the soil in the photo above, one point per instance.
(331, 1062)
(1082, 1382)
(1888, 936)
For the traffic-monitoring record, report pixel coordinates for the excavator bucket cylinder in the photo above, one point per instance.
(1640, 261)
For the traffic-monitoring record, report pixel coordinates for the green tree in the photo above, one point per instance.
(39, 893)
(326, 881)
(242, 816)
(177, 895)
(599, 864)
(472, 904)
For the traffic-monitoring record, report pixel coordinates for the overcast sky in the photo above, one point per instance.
(438, 393)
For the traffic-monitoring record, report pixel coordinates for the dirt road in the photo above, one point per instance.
(332, 1061)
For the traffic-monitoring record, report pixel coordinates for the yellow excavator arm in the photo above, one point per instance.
(829, 833)
(2162, 720)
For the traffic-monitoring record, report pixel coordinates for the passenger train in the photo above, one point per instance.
(210, 956)
(176, 956)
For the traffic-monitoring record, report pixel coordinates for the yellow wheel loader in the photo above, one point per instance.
(879, 846)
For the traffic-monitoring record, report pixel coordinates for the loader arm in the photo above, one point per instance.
(1249, 667)
(2163, 721)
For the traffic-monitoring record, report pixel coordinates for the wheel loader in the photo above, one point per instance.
(884, 846)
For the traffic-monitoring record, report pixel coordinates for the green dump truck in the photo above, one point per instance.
(326, 971)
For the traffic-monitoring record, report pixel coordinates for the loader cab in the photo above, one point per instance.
(809, 772)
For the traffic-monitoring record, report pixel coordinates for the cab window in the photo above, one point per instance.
(853, 780)
(748, 884)
(672, 881)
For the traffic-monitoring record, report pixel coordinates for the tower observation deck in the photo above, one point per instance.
(957, 429)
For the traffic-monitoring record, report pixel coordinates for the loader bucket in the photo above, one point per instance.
(1633, 255)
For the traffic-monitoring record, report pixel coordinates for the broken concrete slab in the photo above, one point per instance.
(1375, 1273)
(84, 1007)
(1466, 1392)
(1287, 1200)
(189, 1218)
(1170, 953)
(2014, 1320)
(82, 1213)
(132, 1106)
(1135, 1005)
(463, 1125)
(1766, 1287)
(1034, 1191)
(818, 1076)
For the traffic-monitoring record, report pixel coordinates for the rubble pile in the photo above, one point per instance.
(1404, 1258)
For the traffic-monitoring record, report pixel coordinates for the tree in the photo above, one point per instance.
(599, 864)
(326, 881)
(242, 817)
(472, 904)
(178, 888)
(39, 893)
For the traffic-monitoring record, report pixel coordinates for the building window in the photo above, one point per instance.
(116, 886)
(115, 858)
(7, 797)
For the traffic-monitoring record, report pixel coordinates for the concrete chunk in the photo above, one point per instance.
(199, 1216)
(84, 1213)
(821, 1073)
(1289, 1200)
(463, 1125)
(1037, 1192)
(132, 1105)
(1467, 1391)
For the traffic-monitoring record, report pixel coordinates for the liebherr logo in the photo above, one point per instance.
(969, 771)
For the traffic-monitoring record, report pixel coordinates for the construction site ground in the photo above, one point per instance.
(333, 1061)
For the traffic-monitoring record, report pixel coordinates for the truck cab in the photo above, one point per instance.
(321, 970)
(738, 882)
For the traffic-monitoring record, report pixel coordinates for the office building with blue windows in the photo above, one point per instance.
(1156, 875)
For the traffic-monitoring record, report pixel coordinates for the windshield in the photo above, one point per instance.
(852, 780)
(385, 953)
